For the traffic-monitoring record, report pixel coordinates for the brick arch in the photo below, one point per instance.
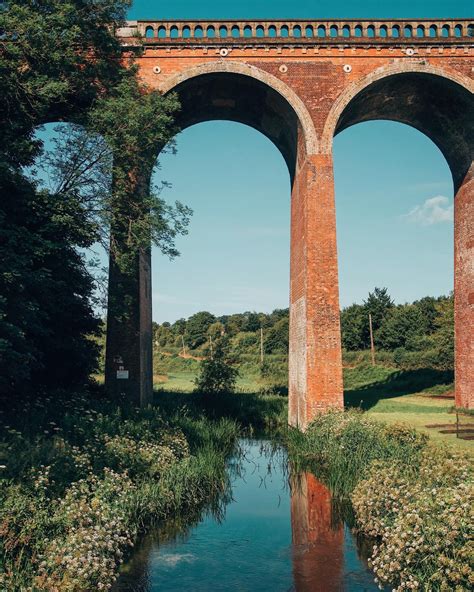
(440, 104)
(356, 88)
(230, 67)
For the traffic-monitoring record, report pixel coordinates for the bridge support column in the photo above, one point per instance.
(129, 354)
(315, 361)
(464, 292)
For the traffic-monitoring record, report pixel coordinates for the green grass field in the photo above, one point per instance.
(387, 394)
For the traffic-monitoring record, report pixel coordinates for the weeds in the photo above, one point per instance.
(82, 478)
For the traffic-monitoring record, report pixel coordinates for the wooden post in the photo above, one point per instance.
(372, 347)
(184, 348)
(261, 345)
(210, 345)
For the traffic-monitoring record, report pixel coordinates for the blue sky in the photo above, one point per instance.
(394, 194)
(180, 9)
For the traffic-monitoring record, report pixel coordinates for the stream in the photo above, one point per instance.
(269, 536)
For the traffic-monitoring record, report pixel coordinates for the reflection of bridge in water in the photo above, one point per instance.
(318, 538)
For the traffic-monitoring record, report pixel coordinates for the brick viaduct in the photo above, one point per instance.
(300, 83)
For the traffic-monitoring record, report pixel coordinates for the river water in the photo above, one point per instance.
(271, 537)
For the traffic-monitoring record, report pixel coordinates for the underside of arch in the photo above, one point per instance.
(240, 98)
(438, 107)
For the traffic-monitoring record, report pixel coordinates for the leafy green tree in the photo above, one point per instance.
(402, 326)
(354, 327)
(197, 327)
(444, 335)
(47, 73)
(378, 304)
(179, 327)
(245, 343)
(216, 330)
(427, 308)
(251, 322)
(46, 315)
(278, 337)
(217, 374)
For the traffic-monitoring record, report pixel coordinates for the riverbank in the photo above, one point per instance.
(83, 477)
(414, 497)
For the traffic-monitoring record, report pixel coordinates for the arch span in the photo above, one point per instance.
(240, 92)
(439, 104)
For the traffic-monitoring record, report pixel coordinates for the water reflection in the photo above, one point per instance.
(317, 536)
(278, 534)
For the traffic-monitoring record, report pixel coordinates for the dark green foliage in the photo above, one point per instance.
(277, 338)
(355, 319)
(45, 308)
(218, 374)
(402, 326)
(378, 304)
(354, 327)
(197, 327)
(47, 74)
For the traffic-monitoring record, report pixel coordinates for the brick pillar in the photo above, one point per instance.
(129, 363)
(464, 291)
(315, 361)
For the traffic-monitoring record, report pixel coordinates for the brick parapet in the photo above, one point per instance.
(398, 31)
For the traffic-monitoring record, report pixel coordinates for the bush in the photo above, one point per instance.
(217, 375)
(340, 447)
(423, 518)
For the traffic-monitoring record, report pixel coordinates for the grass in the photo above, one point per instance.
(410, 397)
(339, 447)
(386, 393)
(253, 412)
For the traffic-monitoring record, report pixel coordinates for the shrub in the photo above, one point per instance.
(423, 517)
(341, 446)
(217, 375)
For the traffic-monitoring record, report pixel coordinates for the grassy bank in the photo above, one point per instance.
(416, 499)
(83, 477)
(385, 392)
(253, 412)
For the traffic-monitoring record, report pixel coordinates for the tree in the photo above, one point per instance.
(59, 60)
(197, 327)
(251, 322)
(402, 326)
(217, 374)
(278, 337)
(354, 328)
(444, 335)
(46, 316)
(378, 304)
(216, 330)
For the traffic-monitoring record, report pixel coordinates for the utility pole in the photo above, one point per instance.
(261, 345)
(372, 347)
(210, 346)
(184, 348)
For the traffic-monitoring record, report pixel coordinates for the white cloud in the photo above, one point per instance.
(434, 210)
